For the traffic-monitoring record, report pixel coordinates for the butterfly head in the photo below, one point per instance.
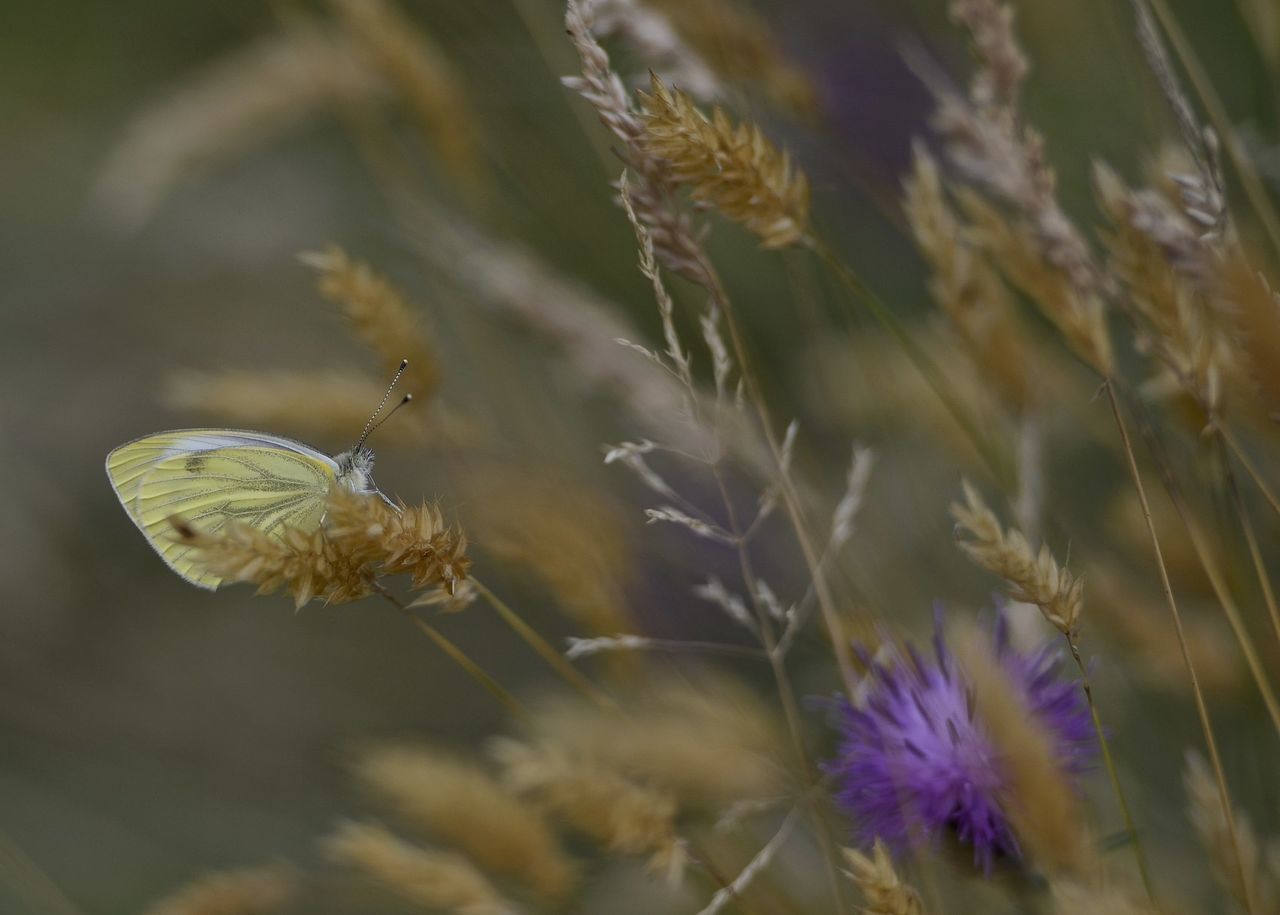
(355, 469)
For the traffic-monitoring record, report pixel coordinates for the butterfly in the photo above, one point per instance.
(210, 476)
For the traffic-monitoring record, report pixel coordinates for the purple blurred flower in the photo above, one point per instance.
(916, 763)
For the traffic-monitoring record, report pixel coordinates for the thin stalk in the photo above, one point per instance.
(1229, 437)
(1222, 123)
(790, 498)
(1217, 581)
(786, 694)
(555, 660)
(461, 658)
(925, 365)
(1229, 609)
(30, 883)
(549, 43)
(679, 646)
(1202, 710)
(1255, 554)
(1125, 813)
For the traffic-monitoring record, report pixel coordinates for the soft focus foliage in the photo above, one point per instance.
(741, 335)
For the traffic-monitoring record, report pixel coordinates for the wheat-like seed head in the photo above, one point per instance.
(408, 540)
(379, 314)
(239, 103)
(1254, 309)
(420, 70)
(305, 563)
(249, 891)
(568, 535)
(456, 802)
(1243, 876)
(1040, 249)
(964, 284)
(327, 404)
(624, 816)
(884, 891)
(434, 879)
(1166, 269)
(733, 167)
(362, 539)
(676, 735)
(1041, 802)
(1035, 577)
(1078, 311)
(675, 238)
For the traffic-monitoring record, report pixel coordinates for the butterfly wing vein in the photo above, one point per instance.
(207, 477)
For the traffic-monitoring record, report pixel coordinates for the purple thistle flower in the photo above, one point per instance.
(916, 763)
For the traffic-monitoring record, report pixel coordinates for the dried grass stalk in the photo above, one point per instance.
(249, 891)
(1142, 625)
(649, 34)
(437, 880)
(884, 891)
(675, 239)
(1077, 309)
(965, 285)
(245, 100)
(1043, 806)
(1239, 868)
(1042, 251)
(624, 816)
(379, 314)
(458, 804)
(1159, 256)
(1034, 577)
(420, 70)
(1254, 308)
(733, 167)
(677, 735)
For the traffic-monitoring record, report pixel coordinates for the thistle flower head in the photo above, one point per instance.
(917, 763)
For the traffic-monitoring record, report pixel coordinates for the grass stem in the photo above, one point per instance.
(555, 660)
(461, 658)
(1202, 710)
(1126, 814)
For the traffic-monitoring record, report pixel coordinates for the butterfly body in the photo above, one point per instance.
(208, 477)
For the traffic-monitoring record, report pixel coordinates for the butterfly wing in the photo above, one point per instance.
(207, 476)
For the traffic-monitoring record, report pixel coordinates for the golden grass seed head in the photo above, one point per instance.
(268, 890)
(379, 314)
(623, 816)
(1035, 577)
(457, 803)
(732, 167)
(425, 877)
(884, 892)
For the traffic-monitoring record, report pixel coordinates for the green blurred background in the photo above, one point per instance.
(149, 731)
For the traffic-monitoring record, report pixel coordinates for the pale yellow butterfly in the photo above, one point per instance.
(207, 476)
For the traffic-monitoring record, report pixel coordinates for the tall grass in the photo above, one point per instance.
(793, 750)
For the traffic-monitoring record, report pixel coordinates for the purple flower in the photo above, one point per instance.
(916, 763)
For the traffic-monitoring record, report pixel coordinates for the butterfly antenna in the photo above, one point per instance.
(369, 426)
(404, 401)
